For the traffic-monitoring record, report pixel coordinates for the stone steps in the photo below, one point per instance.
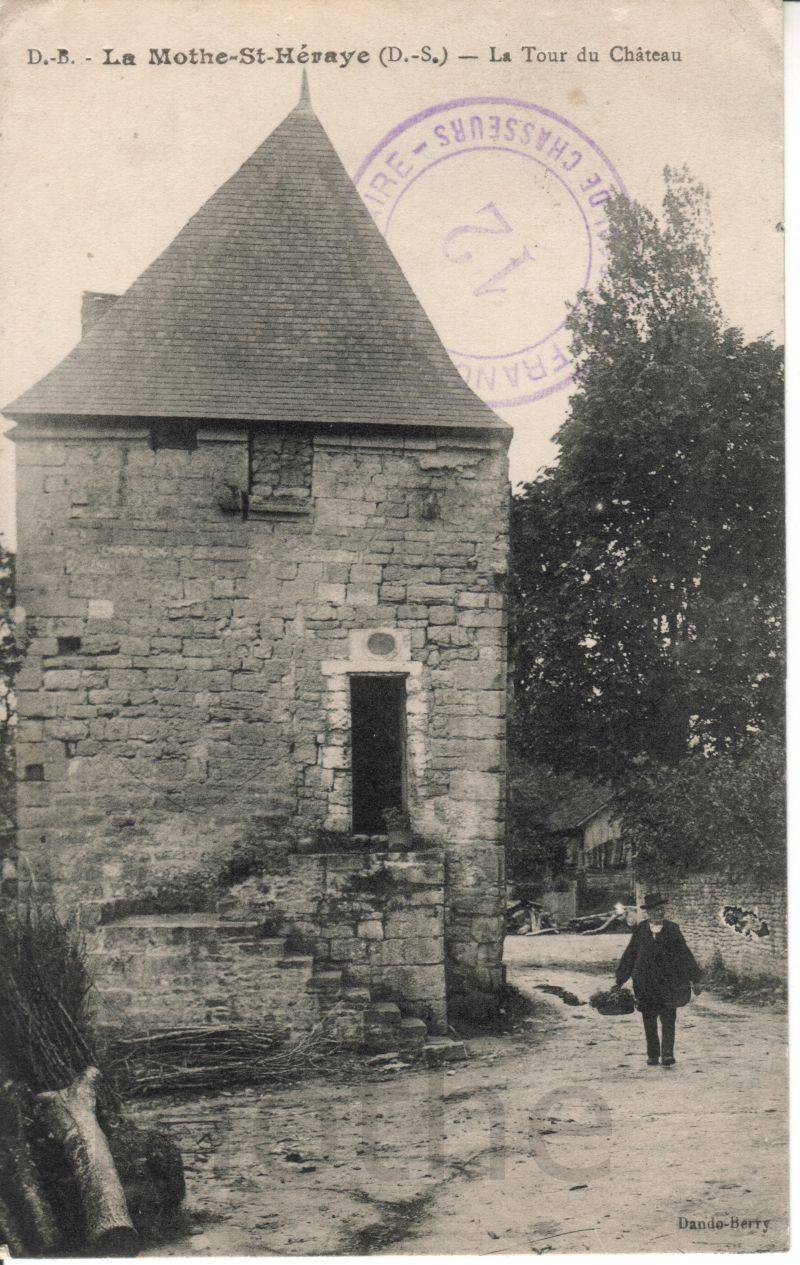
(385, 1028)
(444, 1050)
(413, 1035)
(158, 970)
(381, 1027)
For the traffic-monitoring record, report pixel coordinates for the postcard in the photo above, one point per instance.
(392, 653)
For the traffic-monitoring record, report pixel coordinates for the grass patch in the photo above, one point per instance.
(761, 990)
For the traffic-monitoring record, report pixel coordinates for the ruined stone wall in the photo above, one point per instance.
(376, 916)
(313, 937)
(186, 688)
(697, 903)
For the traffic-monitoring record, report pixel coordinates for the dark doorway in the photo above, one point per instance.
(378, 709)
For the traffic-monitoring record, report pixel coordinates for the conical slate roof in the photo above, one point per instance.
(278, 301)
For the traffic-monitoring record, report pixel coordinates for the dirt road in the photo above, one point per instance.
(557, 1138)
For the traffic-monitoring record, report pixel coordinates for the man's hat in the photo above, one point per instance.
(653, 899)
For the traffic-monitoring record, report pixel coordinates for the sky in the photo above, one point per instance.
(102, 165)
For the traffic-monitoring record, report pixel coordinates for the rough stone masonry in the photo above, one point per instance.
(248, 486)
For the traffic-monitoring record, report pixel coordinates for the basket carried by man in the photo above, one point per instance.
(617, 1001)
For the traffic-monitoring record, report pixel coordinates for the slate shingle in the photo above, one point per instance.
(278, 301)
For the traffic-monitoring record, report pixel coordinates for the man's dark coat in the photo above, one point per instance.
(661, 966)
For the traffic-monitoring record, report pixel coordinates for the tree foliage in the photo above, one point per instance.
(647, 563)
(725, 813)
(534, 850)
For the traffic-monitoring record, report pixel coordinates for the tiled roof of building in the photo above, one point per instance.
(279, 300)
(581, 801)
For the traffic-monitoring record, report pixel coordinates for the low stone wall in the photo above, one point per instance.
(308, 936)
(697, 904)
(377, 916)
(176, 970)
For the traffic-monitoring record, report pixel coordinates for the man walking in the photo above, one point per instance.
(663, 969)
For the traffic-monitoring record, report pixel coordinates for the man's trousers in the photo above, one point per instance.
(665, 1048)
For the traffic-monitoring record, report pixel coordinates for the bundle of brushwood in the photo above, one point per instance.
(615, 1001)
(214, 1057)
(77, 1177)
(46, 1034)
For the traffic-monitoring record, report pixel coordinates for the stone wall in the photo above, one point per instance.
(173, 970)
(697, 903)
(187, 679)
(310, 937)
(376, 916)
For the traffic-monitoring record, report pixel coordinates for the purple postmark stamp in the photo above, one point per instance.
(496, 211)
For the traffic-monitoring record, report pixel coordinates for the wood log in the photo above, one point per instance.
(70, 1115)
(27, 1216)
(597, 917)
(593, 931)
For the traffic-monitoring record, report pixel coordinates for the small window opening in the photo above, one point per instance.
(173, 434)
(34, 772)
(69, 645)
(378, 710)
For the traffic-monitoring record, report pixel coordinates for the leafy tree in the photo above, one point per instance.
(533, 851)
(647, 563)
(725, 813)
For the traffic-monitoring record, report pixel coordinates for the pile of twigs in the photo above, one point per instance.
(617, 1001)
(45, 1033)
(212, 1057)
(76, 1177)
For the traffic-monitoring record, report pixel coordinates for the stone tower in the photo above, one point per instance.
(262, 553)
